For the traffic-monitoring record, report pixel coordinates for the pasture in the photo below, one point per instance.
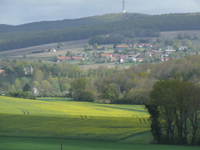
(75, 120)
(8, 143)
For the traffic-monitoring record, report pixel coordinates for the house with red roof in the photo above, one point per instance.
(106, 55)
(63, 59)
(122, 47)
(140, 59)
(77, 58)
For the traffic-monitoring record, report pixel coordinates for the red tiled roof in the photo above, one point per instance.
(121, 46)
(2, 71)
(106, 55)
(77, 58)
(62, 58)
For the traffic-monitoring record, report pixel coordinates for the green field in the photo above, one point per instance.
(51, 117)
(54, 144)
(38, 125)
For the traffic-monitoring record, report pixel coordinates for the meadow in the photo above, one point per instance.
(38, 125)
(8, 143)
(51, 117)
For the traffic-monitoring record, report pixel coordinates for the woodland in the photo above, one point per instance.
(112, 85)
(127, 25)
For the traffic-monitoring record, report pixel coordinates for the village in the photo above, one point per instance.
(136, 53)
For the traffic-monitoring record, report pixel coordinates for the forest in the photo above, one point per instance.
(134, 25)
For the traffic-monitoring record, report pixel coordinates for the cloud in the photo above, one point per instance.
(24, 11)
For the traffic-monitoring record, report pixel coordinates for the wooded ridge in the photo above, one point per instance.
(128, 25)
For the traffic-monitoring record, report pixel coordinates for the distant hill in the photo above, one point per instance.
(128, 25)
(69, 23)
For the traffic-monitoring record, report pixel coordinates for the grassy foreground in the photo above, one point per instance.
(54, 144)
(75, 120)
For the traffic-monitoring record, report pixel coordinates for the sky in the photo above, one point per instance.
(16, 12)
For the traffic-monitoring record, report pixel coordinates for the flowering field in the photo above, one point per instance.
(76, 120)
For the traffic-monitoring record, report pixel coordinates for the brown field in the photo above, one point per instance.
(173, 34)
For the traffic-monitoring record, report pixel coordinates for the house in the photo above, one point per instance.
(122, 59)
(64, 58)
(2, 93)
(145, 45)
(122, 47)
(79, 55)
(193, 53)
(154, 51)
(150, 54)
(130, 45)
(2, 71)
(113, 59)
(165, 55)
(140, 59)
(169, 51)
(35, 91)
(181, 48)
(28, 71)
(134, 59)
(165, 58)
(159, 54)
(77, 58)
(106, 55)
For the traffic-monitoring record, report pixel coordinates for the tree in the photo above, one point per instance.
(77, 86)
(95, 46)
(19, 71)
(12, 88)
(35, 84)
(24, 80)
(17, 84)
(37, 75)
(176, 47)
(46, 86)
(70, 54)
(26, 88)
(177, 102)
(111, 92)
(86, 47)
(169, 42)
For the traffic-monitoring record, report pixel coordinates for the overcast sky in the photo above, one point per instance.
(15, 12)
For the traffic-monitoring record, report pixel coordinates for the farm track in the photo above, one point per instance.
(66, 46)
(124, 109)
(24, 111)
(133, 135)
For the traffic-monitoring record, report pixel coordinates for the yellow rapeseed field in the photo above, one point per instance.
(77, 120)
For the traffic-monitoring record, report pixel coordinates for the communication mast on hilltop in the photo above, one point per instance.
(124, 6)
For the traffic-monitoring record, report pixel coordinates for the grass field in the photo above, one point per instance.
(49, 117)
(8, 143)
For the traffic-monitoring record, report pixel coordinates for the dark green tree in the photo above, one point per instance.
(26, 88)
(177, 102)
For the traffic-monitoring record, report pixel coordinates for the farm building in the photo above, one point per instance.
(122, 47)
(77, 58)
(64, 58)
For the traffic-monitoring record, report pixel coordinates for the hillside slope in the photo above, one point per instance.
(128, 25)
(69, 23)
